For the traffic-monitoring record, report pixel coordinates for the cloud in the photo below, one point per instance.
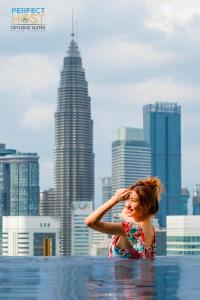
(38, 117)
(134, 52)
(27, 73)
(135, 94)
(190, 165)
(124, 54)
(171, 15)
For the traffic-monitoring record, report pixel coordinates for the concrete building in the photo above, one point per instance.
(162, 131)
(74, 157)
(100, 243)
(131, 160)
(183, 235)
(81, 234)
(30, 236)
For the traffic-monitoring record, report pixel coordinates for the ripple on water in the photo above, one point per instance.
(71, 278)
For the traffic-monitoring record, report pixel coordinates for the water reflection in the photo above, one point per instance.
(76, 278)
(18, 281)
(135, 280)
(167, 281)
(128, 280)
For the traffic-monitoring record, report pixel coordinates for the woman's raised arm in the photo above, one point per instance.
(94, 219)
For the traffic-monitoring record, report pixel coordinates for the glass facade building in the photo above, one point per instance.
(19, 184)
(107, 194)
(130, 161)
(196, 199)
(74, 157)
(185, 195)
(162, 131)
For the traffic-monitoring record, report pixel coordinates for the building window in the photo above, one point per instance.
(19, 247)
(39, 240)
(23, 233)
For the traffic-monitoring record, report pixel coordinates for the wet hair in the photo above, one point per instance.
(148, 191)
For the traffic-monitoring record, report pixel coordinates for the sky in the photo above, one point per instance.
(134, 52)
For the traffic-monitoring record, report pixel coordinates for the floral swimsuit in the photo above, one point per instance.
(135, 236)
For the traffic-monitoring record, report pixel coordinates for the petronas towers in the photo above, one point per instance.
(74, 157)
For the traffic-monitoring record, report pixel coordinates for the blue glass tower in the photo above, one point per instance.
(19, 183)
(162, 131)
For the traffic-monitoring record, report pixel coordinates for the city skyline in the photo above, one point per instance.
(140, 59)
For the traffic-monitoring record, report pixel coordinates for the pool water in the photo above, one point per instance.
(71, 278)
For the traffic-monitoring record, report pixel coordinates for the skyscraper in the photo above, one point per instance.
(47, 198)
(74, 157)
(162, 131)
(19, 184)
(130, 160)
(106, 194)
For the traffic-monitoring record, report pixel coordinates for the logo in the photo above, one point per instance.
(28, 19)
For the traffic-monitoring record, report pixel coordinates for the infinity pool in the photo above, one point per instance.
(99, 278)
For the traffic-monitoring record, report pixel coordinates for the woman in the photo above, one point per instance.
(135, 237)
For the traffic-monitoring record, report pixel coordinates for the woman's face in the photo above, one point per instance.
(132, 207)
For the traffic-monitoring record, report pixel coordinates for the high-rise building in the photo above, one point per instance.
(185, 195)
(47, 200)
(100, 243)
(81, 235)
(74, 157)
(196, 199)
(130, 161)
(19, 184)
(183, 235)
(162, 131)
(106, 194)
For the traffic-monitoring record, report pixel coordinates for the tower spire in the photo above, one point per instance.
(72, 34)
(76, 31)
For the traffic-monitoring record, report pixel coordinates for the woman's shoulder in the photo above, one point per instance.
(133, 228)
(130, 227)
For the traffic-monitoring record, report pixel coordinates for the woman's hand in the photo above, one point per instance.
(122, 194)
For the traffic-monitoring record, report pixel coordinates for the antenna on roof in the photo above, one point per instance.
(76, 27)
(72, 34)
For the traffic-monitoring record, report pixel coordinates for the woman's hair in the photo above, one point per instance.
(148, 191)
